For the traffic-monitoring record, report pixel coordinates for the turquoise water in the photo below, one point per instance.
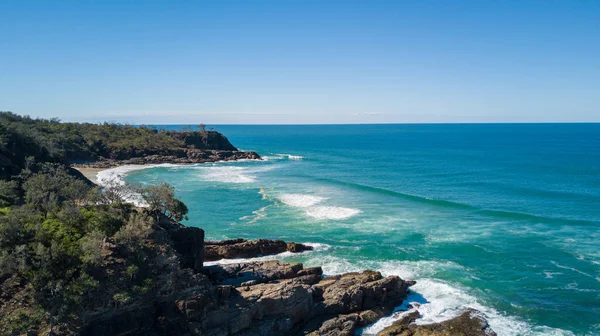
(503, 218)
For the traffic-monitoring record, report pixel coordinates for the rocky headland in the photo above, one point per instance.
(193, 147)
(264, 297)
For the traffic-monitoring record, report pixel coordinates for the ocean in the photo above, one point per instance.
(504, 218)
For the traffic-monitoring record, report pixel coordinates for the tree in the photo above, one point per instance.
(116, 191)
(106, 218)
(51, 187)
(161, 200)
(178, 210)
(91, 247)
(135, 231)
(9, 193)
(17, 226)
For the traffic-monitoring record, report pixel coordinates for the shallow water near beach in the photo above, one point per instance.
(502, 218)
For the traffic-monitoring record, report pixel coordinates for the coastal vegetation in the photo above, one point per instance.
(50, 140)
(55, 225)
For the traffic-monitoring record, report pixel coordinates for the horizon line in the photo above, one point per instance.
(380, 123)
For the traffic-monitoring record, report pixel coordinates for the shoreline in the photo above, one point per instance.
(91, 170)
(90, 173)
(388, 319)
(199, 156)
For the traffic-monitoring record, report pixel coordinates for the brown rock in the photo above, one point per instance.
(187, 241)
(362, 291)
(343, 325)
(469, 323)
(308, 271)
(251, 273)
(240, 248)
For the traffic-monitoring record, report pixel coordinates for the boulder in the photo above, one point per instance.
(253, 272)
(353, 292)
(470, 323)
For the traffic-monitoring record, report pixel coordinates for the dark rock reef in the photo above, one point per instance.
(181, 157)
(241, 248)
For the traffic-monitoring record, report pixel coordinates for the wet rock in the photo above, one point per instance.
(241, 248)
(248, 274)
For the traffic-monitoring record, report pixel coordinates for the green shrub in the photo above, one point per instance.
(91, 247)
(137, 228)
(121, 299)
(20, 322)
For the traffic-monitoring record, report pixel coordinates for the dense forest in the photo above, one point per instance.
(68, 248)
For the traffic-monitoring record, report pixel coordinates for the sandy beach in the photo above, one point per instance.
(90, 173)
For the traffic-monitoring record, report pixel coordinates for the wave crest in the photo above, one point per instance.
(332, 212)
(301, 200)
(227, 175)
(309, 203)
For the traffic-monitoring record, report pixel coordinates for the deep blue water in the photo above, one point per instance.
(504, 218)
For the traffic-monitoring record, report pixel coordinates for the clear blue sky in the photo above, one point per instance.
(301, 61)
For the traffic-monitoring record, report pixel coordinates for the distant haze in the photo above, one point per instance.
(290, 62)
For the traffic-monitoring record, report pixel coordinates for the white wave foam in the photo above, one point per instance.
(271, 157)
(246, 260)
(290, 156)
(332, 212)
(117, 174)
(437, 300)
(301, 200)
(571, 269)
(332, 265)
(550, 275)
(256, 215)
(227, 174)
(120, 172)
(309, 203)
(318, 247)
(282, 156)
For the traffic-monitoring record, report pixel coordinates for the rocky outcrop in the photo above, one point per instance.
(203, 140)
(183, 156)
(469, 323)
(254, 273)
(285, 299)
(264, 297)
(241, 248)
(187, 241)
